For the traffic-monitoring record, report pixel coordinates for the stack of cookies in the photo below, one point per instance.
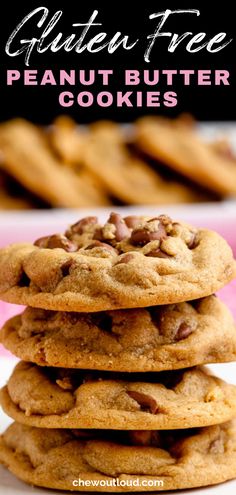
(111, 393)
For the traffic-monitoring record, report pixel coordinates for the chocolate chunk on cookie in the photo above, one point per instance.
(61, 398)
(124, 263)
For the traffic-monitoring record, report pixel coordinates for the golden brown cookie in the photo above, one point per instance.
(27, 157)
(68, 140)
(60, 398)
(69, 143)
(125, 263)
(136, 340)
(178, 145)
(120, 461)
(125, 175)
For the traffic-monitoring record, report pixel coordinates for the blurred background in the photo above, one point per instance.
(102, 157)
(152, 161)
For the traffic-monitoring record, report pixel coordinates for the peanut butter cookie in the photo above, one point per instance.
(125, 175)
(120, 461)
(27, 157)
(136, 340)
(177, 144)
(128, 262)
(60, 398)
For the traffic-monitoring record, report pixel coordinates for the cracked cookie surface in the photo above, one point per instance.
(125, 263)
(181, 459)
(60, 398)
(146, 339)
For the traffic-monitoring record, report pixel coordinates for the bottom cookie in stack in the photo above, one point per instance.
(113, 461)
(105, 431)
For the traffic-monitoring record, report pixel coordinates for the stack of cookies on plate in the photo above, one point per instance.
(111, 394)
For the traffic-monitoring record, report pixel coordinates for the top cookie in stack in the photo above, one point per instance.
(125, 263)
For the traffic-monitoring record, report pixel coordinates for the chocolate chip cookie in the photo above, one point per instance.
(111, 461)
(27, 158)
(177, 144)
(124, 174)
(125, 263)
(146, 339)
(60, 398)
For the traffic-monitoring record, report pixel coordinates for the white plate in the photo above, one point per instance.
(9, 485)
